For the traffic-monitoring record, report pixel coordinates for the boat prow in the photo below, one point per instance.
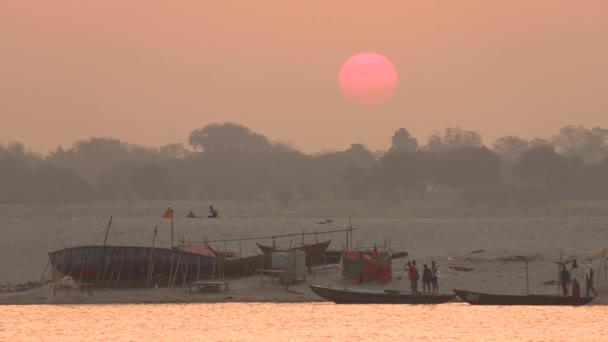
(363, 296)
(477, 298)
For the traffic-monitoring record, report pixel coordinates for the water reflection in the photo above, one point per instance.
(301, 322)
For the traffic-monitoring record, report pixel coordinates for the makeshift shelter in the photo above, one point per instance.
(360, 267)
(292, 262)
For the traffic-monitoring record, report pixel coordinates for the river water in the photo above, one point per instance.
(301, 322)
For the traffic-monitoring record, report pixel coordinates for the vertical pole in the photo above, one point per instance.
(346, 243)
(171, 228)
(527, 279)
(105, 238)
(559, 278)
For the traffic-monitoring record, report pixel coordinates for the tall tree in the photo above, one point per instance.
(402, 141)
(227, 137)
(590, 145)
(453, 138)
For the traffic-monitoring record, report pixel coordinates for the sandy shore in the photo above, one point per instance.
(489, 275)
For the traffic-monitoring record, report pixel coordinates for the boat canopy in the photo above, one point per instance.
(201, 248)
(591, 255)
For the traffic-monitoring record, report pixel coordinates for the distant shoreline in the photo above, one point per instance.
(411, 209)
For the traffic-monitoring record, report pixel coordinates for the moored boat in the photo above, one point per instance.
(131, 266)
(477, 298)
(364, 296)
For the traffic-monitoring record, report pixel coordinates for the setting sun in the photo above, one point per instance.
(368, 78)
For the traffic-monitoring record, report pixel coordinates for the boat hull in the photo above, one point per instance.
(350, 296)
(131, 266)
(476, 298)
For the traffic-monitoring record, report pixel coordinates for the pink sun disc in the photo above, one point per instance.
(368, 78)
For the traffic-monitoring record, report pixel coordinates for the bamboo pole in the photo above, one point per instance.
(278, 236)
(527, 277)
(559, 278)
(122, 257)
(174, 276)
(44, 271)
(170, 269)
(198, 269)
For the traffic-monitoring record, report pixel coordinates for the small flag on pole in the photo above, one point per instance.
(168, 213)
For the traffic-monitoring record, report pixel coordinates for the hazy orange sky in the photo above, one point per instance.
(149, 72)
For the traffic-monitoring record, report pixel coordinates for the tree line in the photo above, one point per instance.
(228, 161)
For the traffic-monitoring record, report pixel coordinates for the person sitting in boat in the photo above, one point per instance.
(212, 212)
(191, 215)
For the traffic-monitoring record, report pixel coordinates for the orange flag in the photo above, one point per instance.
(168, 213)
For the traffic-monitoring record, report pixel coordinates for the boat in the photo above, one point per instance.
(365, 296)
(131, 266)
(477, 298)
(314, 252)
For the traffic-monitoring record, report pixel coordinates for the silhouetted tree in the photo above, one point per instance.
(227, 137)
(453, 138)
(542, 167)
(403, 141)
(591, 146)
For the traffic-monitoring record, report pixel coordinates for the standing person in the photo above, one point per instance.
(576, 273)
(565, 280)
(576, 288)
(434, 279)
(427, 278)
(589, 281)
(413, 276)
(84, 273)
(408, 271)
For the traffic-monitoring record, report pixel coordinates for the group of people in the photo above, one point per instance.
(430, 283)
(213, 213)
(572, 279)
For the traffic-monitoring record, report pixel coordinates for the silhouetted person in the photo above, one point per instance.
(413, 276)
(191, 215)
(84, 273)
(427, 279)
(589, 281)
(212, 212)
(435, 280)
(576, 289)
(565, 279)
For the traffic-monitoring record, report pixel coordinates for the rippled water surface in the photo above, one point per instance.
(301, 322)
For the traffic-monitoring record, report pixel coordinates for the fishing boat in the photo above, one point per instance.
(365, 296)
(477, 298)
(131, 266)
(314, 252)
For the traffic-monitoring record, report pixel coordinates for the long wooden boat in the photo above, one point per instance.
(131, 266)
(362, 296)
(477, 298)
(314, 252)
